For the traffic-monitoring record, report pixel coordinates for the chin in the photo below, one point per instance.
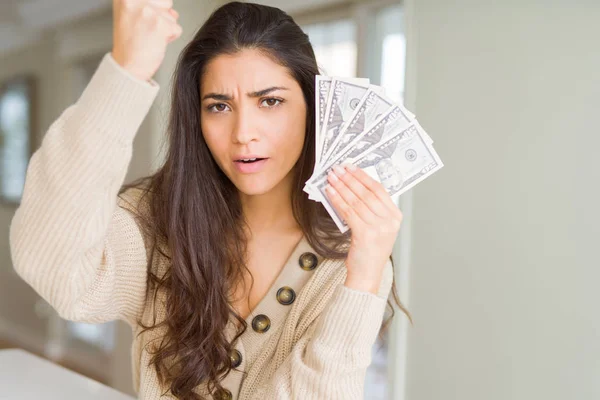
(254, 188)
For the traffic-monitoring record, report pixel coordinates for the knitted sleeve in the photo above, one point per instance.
(330, 361)
(69, 240)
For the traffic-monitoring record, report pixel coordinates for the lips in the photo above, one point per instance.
(250, 160)
(250, 164)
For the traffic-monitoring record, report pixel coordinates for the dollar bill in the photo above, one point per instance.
(387, 125)
(344, 97)
(370, 108)
(402, 161)
(366, 112)
(399, 163)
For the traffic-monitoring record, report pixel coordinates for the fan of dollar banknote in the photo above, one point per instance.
(357, 123)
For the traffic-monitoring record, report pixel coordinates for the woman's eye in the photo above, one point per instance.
(217, 108)
(271, 102)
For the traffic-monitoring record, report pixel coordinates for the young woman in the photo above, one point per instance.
(234, 283)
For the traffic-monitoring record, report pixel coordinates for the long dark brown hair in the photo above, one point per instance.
(194, 217)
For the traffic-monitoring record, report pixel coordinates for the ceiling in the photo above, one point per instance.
(22, 21)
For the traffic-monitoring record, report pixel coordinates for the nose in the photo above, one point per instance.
(244, 130)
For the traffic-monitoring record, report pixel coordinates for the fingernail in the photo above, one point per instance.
(333, 177)
(339, 170)
(350, 167)
(330, 189)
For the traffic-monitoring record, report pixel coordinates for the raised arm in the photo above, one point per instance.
(69, 238)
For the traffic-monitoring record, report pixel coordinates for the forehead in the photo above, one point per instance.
(248, 69)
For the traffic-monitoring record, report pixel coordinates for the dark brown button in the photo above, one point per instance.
(261, 323)
(223, 395)
(308, 261)
(236, 358)
(286, 295)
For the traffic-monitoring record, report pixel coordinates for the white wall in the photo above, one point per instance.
(504, 269)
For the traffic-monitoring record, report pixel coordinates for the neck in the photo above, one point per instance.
(271, 212)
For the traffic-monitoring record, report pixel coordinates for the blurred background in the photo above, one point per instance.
(497, 258)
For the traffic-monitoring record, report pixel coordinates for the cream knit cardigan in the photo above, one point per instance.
(77, 244)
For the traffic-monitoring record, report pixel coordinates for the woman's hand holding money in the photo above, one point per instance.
(142, 31)
(374, 220)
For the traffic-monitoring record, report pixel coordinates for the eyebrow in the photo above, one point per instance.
(259, 93)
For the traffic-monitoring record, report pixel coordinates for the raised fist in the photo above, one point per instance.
(142, 29)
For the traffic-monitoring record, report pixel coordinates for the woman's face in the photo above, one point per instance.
(252, 108)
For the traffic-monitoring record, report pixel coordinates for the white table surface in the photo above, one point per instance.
(24, 376)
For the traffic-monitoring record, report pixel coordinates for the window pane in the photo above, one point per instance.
(334, 44)
(392, 40)
(14, 138)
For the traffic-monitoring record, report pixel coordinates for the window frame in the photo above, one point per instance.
(362, 13)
